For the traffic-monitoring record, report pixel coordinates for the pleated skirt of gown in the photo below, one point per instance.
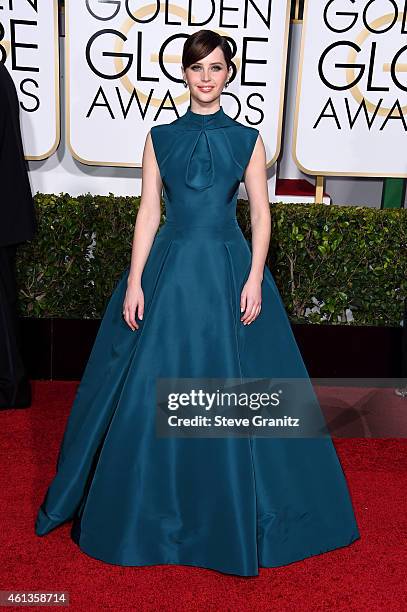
(229, 504)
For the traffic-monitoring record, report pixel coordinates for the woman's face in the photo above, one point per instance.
(206, 78)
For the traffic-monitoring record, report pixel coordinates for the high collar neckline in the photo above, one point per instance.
(204, 121)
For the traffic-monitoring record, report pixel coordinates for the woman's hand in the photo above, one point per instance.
(133, 302)
(250, 300)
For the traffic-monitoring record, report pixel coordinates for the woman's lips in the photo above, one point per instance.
(205, 89)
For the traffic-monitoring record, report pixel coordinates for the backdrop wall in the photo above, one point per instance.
(312, 94)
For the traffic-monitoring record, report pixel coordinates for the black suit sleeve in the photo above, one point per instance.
(17, 214)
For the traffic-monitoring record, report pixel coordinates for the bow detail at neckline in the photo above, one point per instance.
(200, 172)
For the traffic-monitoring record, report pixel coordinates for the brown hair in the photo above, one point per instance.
(199, 44)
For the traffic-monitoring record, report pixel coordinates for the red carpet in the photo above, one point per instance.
(368, 575)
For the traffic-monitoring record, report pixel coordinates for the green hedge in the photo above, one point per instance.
(332, 264)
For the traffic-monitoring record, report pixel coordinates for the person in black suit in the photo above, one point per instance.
(17, 225)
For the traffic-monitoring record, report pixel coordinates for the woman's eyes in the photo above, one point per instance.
(214, 67)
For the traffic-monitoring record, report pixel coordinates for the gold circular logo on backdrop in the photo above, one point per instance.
(350, 72)
(128, 24)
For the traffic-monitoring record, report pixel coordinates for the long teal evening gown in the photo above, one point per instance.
(231, 504)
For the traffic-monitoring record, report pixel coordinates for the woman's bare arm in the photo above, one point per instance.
(147, 223)
(255, 179)
(149, 213)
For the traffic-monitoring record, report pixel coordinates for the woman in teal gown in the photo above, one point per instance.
(232, 504)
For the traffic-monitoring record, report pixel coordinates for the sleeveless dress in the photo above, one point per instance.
(230, 504)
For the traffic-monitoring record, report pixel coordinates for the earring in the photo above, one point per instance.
(185, 83)
(227, 83)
